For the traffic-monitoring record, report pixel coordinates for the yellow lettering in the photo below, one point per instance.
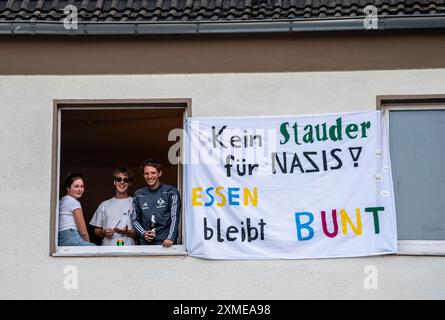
(253, 198)
(195, 196)
(223, 197)
(346, 220)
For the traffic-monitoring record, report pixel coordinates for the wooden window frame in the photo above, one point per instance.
(107, 251)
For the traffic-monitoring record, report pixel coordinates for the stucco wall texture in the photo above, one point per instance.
(27, 271)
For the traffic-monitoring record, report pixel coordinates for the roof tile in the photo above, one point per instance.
(209, 10)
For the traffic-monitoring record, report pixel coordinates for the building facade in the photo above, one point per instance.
(69, 93)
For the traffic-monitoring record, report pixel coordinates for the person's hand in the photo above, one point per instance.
(122, 231)
(149, 235)
(108, 232)
(167, 243)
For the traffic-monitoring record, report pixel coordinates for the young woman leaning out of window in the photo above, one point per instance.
(72, 226)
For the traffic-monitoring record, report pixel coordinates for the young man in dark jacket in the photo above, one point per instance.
(156, 208)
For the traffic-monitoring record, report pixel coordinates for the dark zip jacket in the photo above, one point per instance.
(164, 203)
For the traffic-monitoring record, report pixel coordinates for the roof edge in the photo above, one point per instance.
(222, 27)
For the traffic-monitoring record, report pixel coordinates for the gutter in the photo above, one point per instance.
(27, 27)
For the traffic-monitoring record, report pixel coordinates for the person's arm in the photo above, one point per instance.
(99, 225)
(175, 208)
(101, 232)
(80, 223)
(128, 232)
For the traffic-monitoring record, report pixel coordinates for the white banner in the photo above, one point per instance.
(289, 187)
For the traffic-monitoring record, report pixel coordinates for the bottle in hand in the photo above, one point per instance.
(152, 225)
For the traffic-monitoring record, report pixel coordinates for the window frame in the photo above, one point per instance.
(109, 251)
(388, 103)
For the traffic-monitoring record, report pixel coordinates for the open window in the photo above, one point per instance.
(94, 137)
(417, 147)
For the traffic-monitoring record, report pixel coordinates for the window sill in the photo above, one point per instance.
(405, 247)
(421, 247)
(115, 251)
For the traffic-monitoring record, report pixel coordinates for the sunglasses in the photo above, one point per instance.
(119, 179)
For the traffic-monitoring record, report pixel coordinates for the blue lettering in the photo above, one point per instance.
(305, 225)
(231, 195)
(212, 199)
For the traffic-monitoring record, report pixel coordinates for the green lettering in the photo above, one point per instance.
(365, 125)
(284, 132)
(351, 129)
(321, 137)
(295, 126)
(335, 130)
(375, 213)
(308, 137)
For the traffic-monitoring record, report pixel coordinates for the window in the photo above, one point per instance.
(417, 146)
(94, 137)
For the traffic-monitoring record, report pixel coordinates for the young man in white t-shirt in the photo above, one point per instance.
(112, 220)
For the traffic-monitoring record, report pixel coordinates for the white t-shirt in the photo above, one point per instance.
(66, 207)
(114, 213)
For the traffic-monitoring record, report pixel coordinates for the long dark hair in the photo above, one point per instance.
(70, 178)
